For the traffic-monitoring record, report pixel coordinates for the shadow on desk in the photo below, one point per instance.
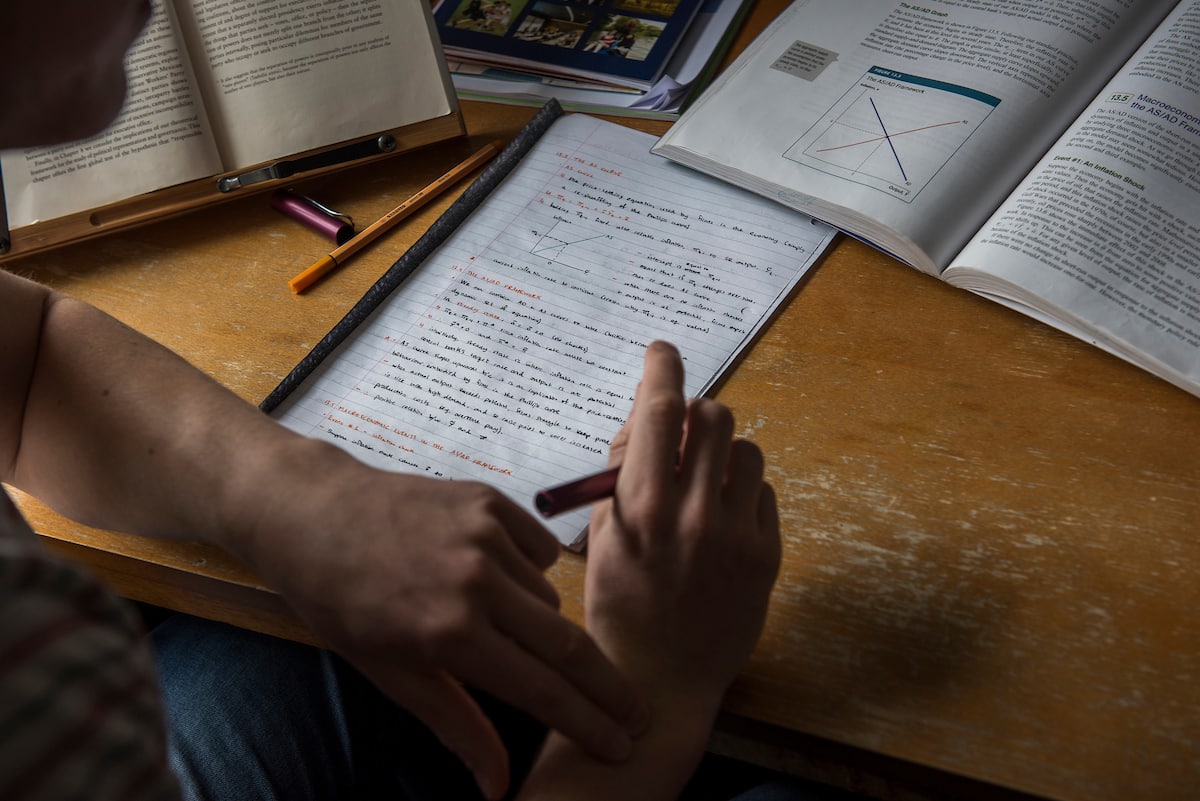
(889, 638)
(887, 621)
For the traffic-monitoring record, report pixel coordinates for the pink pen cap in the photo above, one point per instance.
(308, 212)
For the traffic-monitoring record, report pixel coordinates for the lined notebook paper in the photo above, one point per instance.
(512, 354)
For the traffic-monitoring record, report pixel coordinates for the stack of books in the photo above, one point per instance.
(632, 57)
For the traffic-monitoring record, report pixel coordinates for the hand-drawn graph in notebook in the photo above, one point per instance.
(511, 354)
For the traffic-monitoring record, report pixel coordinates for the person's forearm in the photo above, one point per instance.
(118, 432)
(664, 757)
(423, 584)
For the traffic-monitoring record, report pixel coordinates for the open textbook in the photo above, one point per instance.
(509, 349)
(217, 86)
(1044, 154)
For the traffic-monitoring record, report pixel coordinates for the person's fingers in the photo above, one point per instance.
(744, 477)
(706, 448)
(532, 538)
(616, 458)
(748, 494)
(517, 562)
(571, 653)
(455, 718)
(654, 437)
(616, 448)
(504, 668)
(768, 520)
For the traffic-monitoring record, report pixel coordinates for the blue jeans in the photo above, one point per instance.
(252, 717)
(255, 717)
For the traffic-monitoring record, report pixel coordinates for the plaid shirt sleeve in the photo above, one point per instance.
(80, 715)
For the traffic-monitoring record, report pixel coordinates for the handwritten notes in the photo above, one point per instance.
(511, 356)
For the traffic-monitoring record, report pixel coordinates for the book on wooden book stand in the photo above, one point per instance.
(227, 100)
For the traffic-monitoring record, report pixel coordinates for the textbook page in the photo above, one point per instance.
(511, 356)
(1103, 238)
(906, 123)
(161, 138)
(374, 64)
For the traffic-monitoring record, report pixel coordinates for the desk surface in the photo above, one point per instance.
(992, 543)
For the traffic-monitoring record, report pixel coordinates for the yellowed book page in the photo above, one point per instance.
(160, 139)
(284, 76)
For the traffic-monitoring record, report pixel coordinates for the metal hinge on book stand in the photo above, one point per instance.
(384, 143)
(376, 145)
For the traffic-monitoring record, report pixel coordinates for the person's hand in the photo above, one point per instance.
(682, 560)
(424, 583)
(679, 573)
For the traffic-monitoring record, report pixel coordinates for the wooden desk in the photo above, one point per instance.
(992, 555)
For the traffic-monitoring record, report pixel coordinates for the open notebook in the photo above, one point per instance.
(506, 345)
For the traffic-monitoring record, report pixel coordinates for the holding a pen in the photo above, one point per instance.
(680, 567)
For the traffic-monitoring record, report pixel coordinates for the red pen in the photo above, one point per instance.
(573, 494)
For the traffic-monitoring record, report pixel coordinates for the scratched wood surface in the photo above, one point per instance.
(991, 529)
